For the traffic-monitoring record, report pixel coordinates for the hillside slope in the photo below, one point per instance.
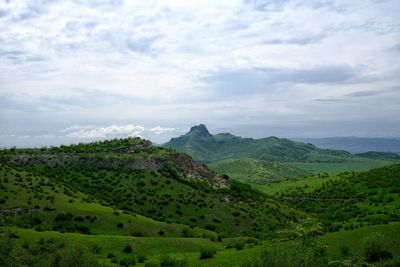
(257, 172)
(31, 201)
(205, 147)
(132, 175)
(352, 199)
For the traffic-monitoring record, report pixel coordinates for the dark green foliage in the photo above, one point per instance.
(376, 248)
(166, 260)
(128, 248)
(127, 261)
(152, 264)
(207, 253)
(172, 187)
(351, 196)
(239, 245)
(46, 252)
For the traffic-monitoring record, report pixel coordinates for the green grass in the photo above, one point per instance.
(348, 200)
(337, 167)
(151, 247)
(307, 184)
(257, 172)
(354, 238)
(157, 183)
(23, 190)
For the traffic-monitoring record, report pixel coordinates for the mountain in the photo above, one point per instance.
(257, 172)
(159, 183)
(355, 144)
(206, 148)
(379, 155)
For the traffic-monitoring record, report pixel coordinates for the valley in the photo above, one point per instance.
(126, 202)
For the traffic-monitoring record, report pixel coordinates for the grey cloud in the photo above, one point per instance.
(360, 94)
(262, 5)
(299, 41)
(258, 80)
(19, 56)
(3, 13)
(78, 98)
(140, 45)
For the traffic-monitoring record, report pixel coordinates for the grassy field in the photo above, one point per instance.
(257, 172)
(337, 167)
(307, 184)
(153, 248)
(354, 239)
(188, 249)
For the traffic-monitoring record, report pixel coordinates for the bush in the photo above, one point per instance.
(239, 245)
(375, 248)
(152, 264)
(344, 251)
(207, 253)
(128, 248)
(127, 262)
(167, 260)
(141, 258)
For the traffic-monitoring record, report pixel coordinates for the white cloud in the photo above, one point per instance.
(161, 130)
(147, 62)
(107, 132)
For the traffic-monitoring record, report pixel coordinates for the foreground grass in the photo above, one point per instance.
(188, 249)
(354, 239)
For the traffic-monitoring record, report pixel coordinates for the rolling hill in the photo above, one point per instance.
(135, 176)
(257, 172)
(350, 199)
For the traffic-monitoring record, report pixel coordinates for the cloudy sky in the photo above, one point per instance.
(73, 71)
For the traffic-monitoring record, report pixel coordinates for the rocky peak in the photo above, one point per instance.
(200, 129)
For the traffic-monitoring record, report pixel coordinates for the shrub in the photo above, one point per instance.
(167, 260)
(127, 262)
(239, 245)
(345, 251)
(375, 248)
(110, 255)
(207, 253)
(141, 258)
(152, 264)
(128, 248)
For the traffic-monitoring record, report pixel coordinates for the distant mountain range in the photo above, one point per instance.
(206, 148)
(355, 144)
(270, 159)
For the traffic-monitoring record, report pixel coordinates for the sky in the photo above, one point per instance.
(76, 71)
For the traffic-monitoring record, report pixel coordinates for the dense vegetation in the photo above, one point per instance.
(125, 202)
(352, 200)
(158, 183)
(258, 172)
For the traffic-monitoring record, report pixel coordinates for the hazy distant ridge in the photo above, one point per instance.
(355, 144)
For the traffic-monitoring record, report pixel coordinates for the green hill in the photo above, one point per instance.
(161, 184)
(257, 161)
(31, 201)
(257, 172)
(207, 148)
(379, 155)
(351, 199)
